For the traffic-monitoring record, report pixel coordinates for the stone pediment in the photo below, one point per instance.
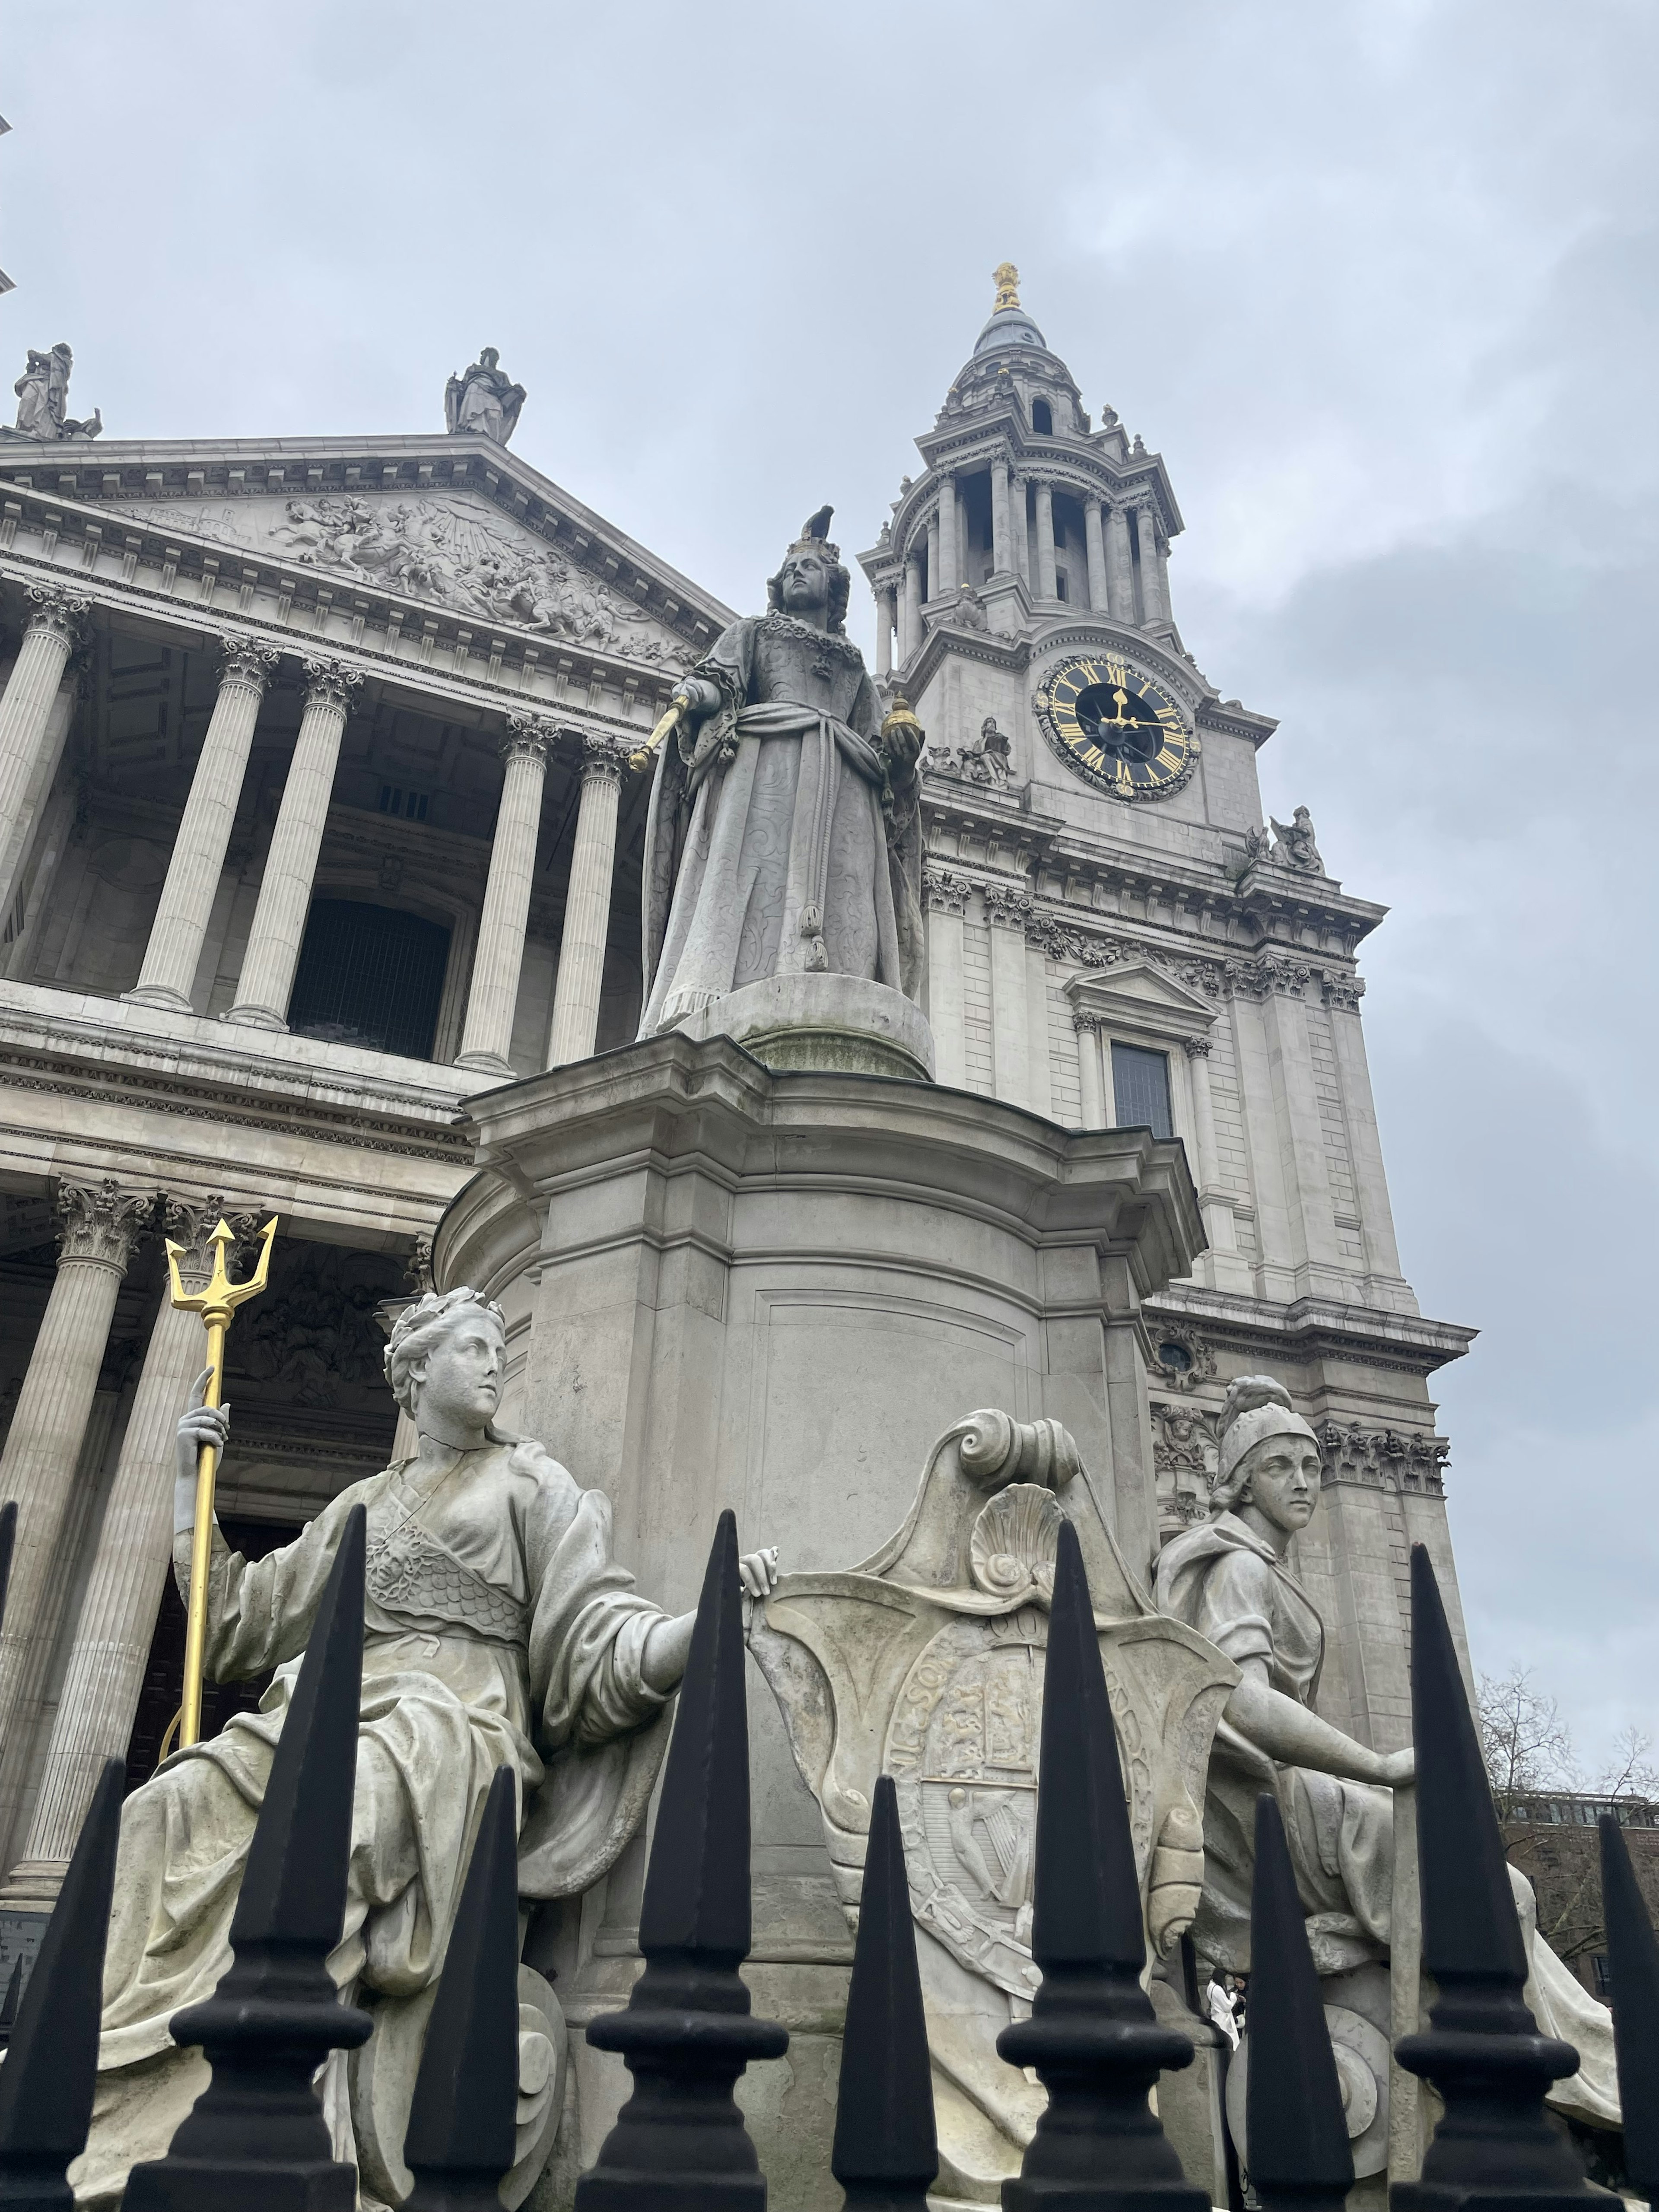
(1139, 995)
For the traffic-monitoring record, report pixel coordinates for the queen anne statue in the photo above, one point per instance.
(498, 1632)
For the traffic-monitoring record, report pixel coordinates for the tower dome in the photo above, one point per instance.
(1010, 325)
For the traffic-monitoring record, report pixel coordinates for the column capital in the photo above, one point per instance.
(247, 660)
(1006, 905)
(1197, 1047)
(604, 758)
(328, 684)
(190, 1223)
(1083, 1020)
(945, 889)
(528, 737)
(101, 1222)
(58, 613)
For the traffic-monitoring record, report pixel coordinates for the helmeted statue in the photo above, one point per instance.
(43, 399)
(784, 834)
(1229, 1579)
(483, 401)
(498, 1632)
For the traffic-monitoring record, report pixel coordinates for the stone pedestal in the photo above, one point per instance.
(840, 1024)
(772, 1290)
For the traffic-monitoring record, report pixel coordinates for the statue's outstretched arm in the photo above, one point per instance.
(669, 1644)
(1290, 1734)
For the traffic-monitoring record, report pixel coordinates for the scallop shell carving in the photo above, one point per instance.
(1011, 1550)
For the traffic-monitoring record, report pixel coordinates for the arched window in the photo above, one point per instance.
(369, 975)
(1043, 418)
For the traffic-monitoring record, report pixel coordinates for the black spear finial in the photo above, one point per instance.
(687, 2034)
(886, 2152)
(256, 2138)
(50, 2071)
(1298, 2133)
(1092, 2036)
(463, 2122)
(1481, 2050)
(1633, 1968)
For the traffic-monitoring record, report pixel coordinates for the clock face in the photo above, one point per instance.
(1117, 726)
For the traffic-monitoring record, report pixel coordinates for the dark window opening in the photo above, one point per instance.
(410, 805)
(1175, 1357)
(1062, 590)
(1141, 1089)
(1043, 418)
(369, 975)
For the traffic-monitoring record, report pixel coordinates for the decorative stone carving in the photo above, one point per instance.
(43, 400)
(1063, 942)
(1269, 974)
(483, 402)
(1181, 1358)
(1184, 1443)
(604, 757)
(246, 660)
(58, 612)
(1343, 992)
(102, 1223)
(925, 1662)
(1258, 847)
(945, 889)
(1007, 906)
(986, 762)
(1385, 1459)
(1198, 1047)
(1295, 847)
(528, 737)
(417, 1268)
(328, 684)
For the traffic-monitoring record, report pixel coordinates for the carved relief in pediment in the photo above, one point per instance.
(453, 551)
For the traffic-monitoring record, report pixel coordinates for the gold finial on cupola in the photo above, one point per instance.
(1006, 277)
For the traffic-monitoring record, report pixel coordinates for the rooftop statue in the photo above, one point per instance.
(1296, 845)
(784, 835)
(1230, 1579)
(499, 1631)
(43, 399)
(482, 402)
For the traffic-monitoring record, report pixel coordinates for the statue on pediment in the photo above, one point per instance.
(1295, 845)
(43, 399)
(482, 401)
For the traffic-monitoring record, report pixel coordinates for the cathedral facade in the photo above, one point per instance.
(321, 817)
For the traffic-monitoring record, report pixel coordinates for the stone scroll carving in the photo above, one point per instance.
(925, 1662)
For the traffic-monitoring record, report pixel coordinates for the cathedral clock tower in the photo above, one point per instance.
(1115, 938)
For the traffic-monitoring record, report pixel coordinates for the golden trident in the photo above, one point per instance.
(216, 1304)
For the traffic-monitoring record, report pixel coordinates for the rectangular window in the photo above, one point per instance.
(1141, 1089)
(410, 805)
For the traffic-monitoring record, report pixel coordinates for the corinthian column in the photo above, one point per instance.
(488, 1036)
(49, 637)
(575, 1024)
(884, 619)
(910, 637)
(1152, 597)
(1091, 1090)
(279, 919)
(198, 851)
(117, 1613)
(1048, 588)
(1002, 559)
(1096, 542)
(97, 1231)
(1120, 568)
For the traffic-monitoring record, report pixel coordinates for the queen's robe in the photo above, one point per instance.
(498, 1632)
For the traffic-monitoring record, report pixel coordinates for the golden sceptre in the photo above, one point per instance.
(216, 1304)
(678, 707)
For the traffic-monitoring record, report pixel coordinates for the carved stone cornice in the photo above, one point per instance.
(245, 661)
(945, 890)
(1385, 1459)
(329, 682)
(604, 759)
(100, 1223)
(58, 613)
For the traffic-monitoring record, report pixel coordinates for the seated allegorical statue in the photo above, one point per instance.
(498, 1632)
(784, 834)
(1227, 1578)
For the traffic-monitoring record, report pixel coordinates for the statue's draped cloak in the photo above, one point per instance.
(776, 842)
(498, 1632)
(1223, 1580)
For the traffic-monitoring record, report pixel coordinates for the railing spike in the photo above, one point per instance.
(1482, 2050)
(463, 2122)
(1297, 2132)
(687, 2034)
(886, 2151)
(1092, 2036)
(48, 2082)
(256, 2138)
(1633, 1969)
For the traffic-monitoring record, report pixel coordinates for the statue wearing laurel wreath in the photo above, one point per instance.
(498, 1632)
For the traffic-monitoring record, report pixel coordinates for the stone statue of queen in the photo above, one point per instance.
(1229, 1579)
(784, 834)
(498, 1632)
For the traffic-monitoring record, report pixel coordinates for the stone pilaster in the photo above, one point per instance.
(1048, 587)
(99, 1229)
(279, 919)
(112, 1635)
(1120, 568)
(49, 637)
(575, 1022)
(1152, 609)
(198, 852)
(1019, 530)
(487, 1037)
(912, 633)
(1091, 1090)
(944, 895)
(1094, 538)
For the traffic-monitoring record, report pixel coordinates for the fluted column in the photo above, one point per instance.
(1002, 559)
(49, 637)
(117, 1622)
(1091, 1090)
(487, 1036)
(97, 1231)
(935, 569)
(198, 850)
(885, 616)
(949, 559)
(279, 919)
(1046, 587)
(1151, 604)
(1094, 538)
(575, 1024)
(912, 635)
(1120, 568)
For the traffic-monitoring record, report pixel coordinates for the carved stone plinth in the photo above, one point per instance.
(839, 1023)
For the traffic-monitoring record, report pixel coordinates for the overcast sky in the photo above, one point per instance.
(1377, 281)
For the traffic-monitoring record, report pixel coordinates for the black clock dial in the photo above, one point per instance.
(1117, 726)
